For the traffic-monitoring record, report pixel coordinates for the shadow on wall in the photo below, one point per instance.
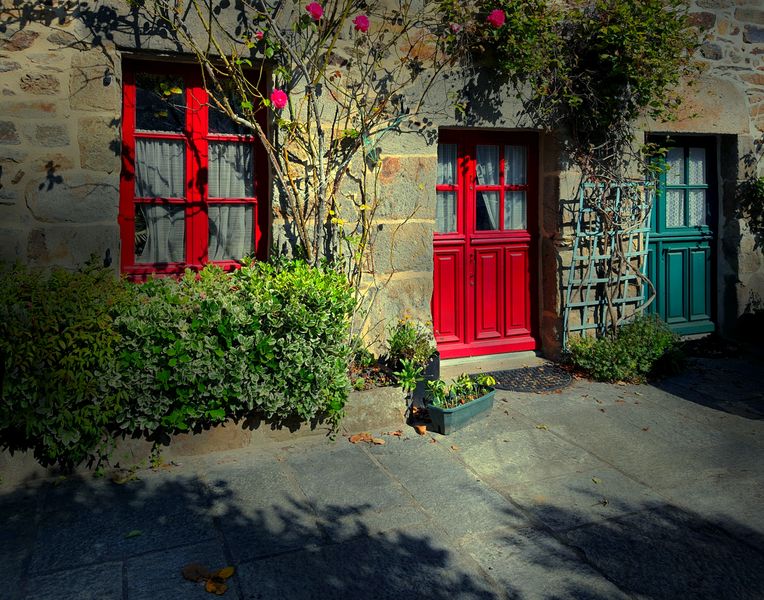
(59, 541)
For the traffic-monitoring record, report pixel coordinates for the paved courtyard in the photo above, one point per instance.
(600, 492)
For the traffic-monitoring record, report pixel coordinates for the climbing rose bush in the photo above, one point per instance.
(361, 23)
(279, 99)
(496, 18)
(315, 11)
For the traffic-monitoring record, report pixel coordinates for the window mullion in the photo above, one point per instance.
(196, 182)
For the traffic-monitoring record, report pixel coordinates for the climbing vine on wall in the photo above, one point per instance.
(589, 69)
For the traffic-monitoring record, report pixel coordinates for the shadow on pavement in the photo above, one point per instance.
(731, 385)
(97, 539)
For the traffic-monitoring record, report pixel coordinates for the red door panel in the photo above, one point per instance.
(448, 309)
(485, 243)
(488, 284)
(517, 282)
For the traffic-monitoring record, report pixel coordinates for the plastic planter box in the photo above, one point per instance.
(446, 420)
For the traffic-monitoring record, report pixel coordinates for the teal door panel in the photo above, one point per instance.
(675, 280)
(680, 259)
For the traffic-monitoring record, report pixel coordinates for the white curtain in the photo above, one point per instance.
(514, 210)
(515, 165)
(230, 170)
(231, 235)
(487, 165)
(159, 168)
(697, 166)
(675, 163)
(445, 212)
(164, 232)
(447, 164)
(697, 216)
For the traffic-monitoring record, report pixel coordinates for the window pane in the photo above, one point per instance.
(674, 208)
(160, 103)
(159, 168)
(219, 121)
(487, 165)
(697, 166)
(447, 164)
(160, 233)
(231, 227)
(514, 210)
(230, 170)
(515, 161)
(697, 216)
(487, 211)
(675, 163)
(445, 212)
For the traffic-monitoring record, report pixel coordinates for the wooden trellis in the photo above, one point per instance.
(606, 277)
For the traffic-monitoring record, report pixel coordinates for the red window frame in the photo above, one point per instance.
(196, 137)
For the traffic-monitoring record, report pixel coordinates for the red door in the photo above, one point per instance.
(483, 300)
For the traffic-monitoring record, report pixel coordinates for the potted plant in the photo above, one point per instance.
(413, 341)
(451, 407)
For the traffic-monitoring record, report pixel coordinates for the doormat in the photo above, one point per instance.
(545, 378)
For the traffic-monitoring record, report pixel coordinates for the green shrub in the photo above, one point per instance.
(57, 349)
(639, 348)
(87, 357)
(410, 340)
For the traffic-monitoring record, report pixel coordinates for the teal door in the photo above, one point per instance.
(680, 259)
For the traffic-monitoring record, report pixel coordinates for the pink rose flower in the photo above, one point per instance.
(361, 23)
(455, 28)
(259, 35)
(315, 11)
(497, 18)
(279, 99)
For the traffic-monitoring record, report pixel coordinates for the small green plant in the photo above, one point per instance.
(464, 389)
(409, 375)
(410, 340)
(636, 351)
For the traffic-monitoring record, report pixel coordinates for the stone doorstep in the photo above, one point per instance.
(453, 367)
(370, 410)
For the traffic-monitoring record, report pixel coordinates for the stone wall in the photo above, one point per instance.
(59, 146)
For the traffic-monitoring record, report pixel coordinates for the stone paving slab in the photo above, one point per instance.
(457, 501)
(390, 566)
(532, 564)
(667, 553)
(590, 496)
(97, 582)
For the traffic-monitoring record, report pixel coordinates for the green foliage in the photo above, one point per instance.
(592, 66)
(87, 357)
(462, 390)
(410, 340)
(750, 201)
(409, 375)
(57, 343)
(639, 349)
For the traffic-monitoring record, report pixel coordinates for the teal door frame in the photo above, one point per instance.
(681, 257)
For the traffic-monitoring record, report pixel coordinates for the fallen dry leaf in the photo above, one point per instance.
(542, 427)
(602, 410)
(195, 572)
(595, 480)
(455, 448)
(360, 437)
(433, 440)
(377, 441)
(420, 429)
(225, 573)
(215, 587)
(398, 433)
(645, 429)
(133, 533)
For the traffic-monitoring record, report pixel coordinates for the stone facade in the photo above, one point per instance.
(60, 110)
